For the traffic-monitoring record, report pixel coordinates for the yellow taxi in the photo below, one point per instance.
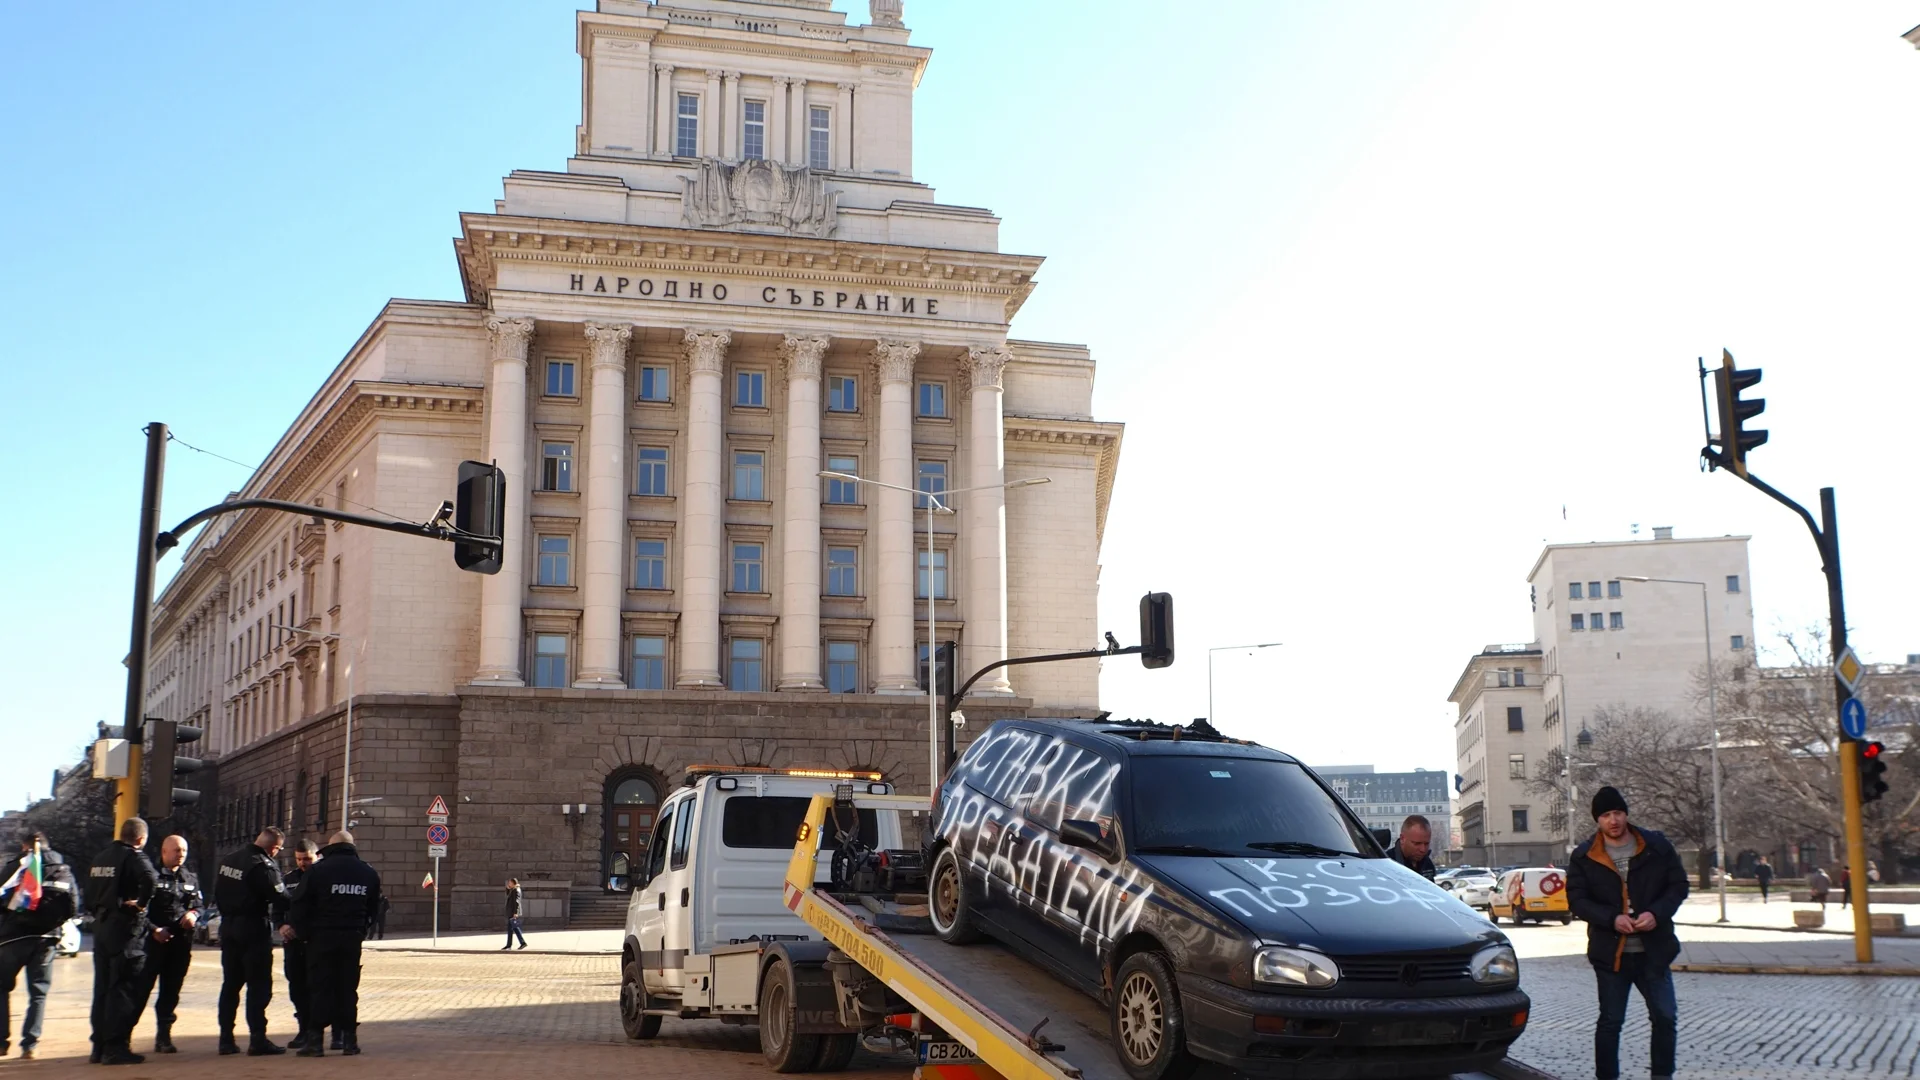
(1536, 893)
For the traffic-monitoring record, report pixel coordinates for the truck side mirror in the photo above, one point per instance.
(1088, 834)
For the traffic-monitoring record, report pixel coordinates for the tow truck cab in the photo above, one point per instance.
(712, 884)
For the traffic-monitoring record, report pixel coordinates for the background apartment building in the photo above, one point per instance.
(1384, 799)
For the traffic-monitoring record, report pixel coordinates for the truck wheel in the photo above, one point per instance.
(947, 902)
(633, 1002)
(784, 1049)
(836, 1052)
(1149, 1027)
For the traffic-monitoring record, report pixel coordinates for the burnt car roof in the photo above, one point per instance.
(1147, 738)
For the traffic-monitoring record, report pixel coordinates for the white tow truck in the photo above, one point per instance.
(782, 898)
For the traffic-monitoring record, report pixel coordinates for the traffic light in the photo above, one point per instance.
(1873, 771)
(1156, 629)
(166, 764)
(480, 509)
(1735, 439)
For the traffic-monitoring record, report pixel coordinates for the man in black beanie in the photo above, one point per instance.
(1627, 884)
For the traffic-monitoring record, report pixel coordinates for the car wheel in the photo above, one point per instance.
(1149, 1027)
(1566, 920)
(948, 905)
(785, 1049)
(836, 1052)
(633, 1003)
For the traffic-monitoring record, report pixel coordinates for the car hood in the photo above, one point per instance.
(1343, 906)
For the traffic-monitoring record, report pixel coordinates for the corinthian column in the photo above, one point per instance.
(706, 352)
(987, 518)
(893, 518)
(800, 592)
(604, 550)
(501, 594)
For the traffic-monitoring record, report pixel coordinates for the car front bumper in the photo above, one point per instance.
(1300, 1037)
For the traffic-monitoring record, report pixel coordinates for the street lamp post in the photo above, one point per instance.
(1713, 722)
(934, 501)
(346, 764)
(1228, 648)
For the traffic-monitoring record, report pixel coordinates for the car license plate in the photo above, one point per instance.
(946, 1053)
(1418, 1031)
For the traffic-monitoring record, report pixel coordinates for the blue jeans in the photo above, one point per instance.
(513, 931)
(35, 957)
(1655, 983)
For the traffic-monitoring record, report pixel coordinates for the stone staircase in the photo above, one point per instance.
(593, 909)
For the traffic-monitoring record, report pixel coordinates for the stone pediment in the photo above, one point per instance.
(760, 196)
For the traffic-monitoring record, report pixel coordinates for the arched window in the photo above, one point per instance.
(632, 800)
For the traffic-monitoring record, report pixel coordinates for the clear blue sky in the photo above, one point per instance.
(1376, 288)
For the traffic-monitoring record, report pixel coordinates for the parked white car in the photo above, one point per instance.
(1474, 888)
(69, 943)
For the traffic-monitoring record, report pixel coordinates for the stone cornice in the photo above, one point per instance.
(1100, 436)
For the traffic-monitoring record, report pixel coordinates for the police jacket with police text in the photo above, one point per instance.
(119, 886)
(59, 900)
(175, 894)
(247, 890)
(338, 899)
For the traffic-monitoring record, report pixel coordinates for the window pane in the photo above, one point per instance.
(749, 389)
(1733, 582)
(1613, 590)
(843, 571)
(650, 471)
(843, 492)
(1573, 591)
(649, 663)
(743, 671)
(819, 142)
(656, 384)
(1593, 590)
(1579, 622)
(749, 475)
(843, 667)
(649, 564)
(555, 560)
(550, 660)
(1739, 641)
(1616, 620)
(769, 822)
(939, 576)
(754, 137)
(931, 477)
(559, 378)
(843, 393)
(746, 568)
(933, 399)
(687, 133)
(556, 466)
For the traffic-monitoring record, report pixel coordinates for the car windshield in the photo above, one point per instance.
(1243, 807)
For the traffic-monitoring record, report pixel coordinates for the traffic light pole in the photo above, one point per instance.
(126, 801)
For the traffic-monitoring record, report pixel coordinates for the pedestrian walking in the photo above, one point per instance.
(39, 897)
(121, 883)
(1873, 872)
(176, 909)
(380, 918)
(248, 891)
(1411, 850)
(1627, 883)
(1818, 885)
(1763, 873)
(1846, 886)
(332, 911)
(513, 914)
(293, 951)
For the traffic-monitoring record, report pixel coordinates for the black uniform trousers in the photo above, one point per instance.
(167, 964)
(117, 981)
(246, 961)
(333, 982)
(293, 961)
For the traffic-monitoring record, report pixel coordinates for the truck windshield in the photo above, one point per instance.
(773, 821)
(1244, 807)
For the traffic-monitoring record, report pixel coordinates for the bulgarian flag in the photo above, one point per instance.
(23, 888)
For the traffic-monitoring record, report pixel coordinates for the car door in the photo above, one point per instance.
(1067, 893)
(650, 898)
(672, 891)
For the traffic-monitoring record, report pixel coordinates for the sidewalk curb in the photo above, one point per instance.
(1833, 931)
(1799, 969)
(1510, 1069)
(429, 951)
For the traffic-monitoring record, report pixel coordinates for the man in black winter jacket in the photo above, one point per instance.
(1627, 884)
(331, 910)
(120, 884)
(29, 930)
(175, 911)
(248, 890)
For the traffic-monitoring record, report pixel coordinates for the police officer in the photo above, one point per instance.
(176, 909)
(247, 891)
(293, 956)
(29, 931)
(120, 885)
(336, 902)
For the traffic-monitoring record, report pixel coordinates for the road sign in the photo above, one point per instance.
(1849, 668)
(436, 819)
(436, 851)
(437, 835)
(1853, 718)
(438, 806)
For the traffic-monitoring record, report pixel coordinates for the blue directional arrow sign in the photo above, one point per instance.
(1853, 719)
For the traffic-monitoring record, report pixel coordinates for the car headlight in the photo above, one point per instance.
(1294, 967)
(1495, 965)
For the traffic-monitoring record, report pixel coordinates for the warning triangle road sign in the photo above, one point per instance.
(439, 806)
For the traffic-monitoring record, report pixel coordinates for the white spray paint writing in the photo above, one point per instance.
(1266, 892)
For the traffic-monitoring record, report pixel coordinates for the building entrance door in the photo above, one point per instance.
(632, 804)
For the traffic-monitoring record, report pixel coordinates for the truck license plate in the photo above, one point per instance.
(946, 1053)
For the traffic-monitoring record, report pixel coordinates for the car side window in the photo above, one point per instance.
(657, 852)
(682, 835)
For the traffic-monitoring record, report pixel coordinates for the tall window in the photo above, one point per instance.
(1733, 582)
(1573, 591)
(753, 142)
(649, 663)
(1739, 642)
(749, 475)
(750, 389)
(1516, 766)
(556, 558)
(1516, 719)
(1616, 620)
(656, 383)
(1613, 590)
(649, 564)
(1593, 621)
(744, 663)
(1593, 590)
(746, 567)
(932, 399)
(1579, 621)
(819, 138)
(843, 667)
(1519, 819)
(686, 141)
(938, 575)
(931, 477)
(843, 492)
(550, 660)
(843, 571)
(560, 378)
(556, 466)
(650, 471)
(843, 393)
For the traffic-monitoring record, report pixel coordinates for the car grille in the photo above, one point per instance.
(1404, 970)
